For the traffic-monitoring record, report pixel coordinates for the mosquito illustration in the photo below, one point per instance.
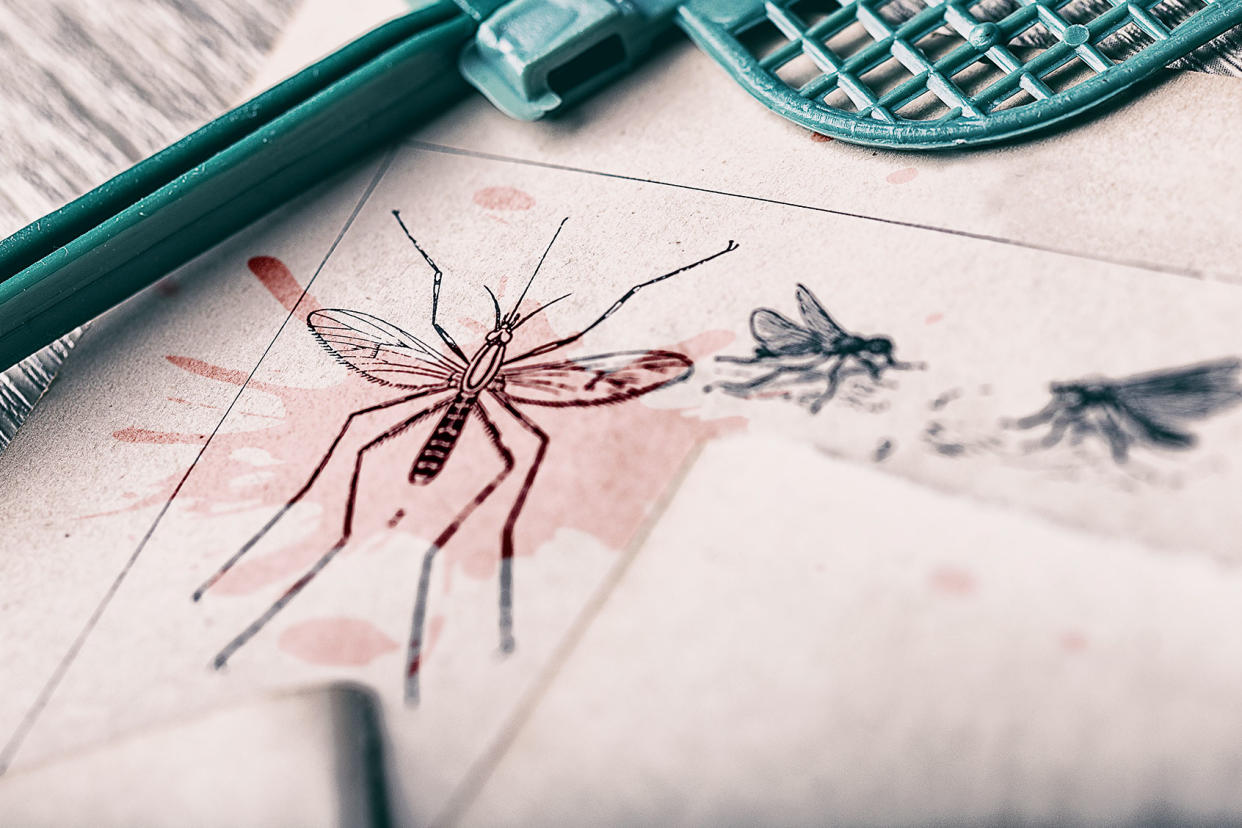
(798, 352)
(1147, 409)
(459, 388)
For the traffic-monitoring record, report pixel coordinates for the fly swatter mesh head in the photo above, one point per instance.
(930, 73)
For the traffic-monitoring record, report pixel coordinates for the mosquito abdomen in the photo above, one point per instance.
(442, 440)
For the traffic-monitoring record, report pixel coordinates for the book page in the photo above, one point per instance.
(663, 462)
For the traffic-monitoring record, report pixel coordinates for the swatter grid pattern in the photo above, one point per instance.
(864, 36)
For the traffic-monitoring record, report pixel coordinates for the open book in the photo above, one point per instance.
(667, 463)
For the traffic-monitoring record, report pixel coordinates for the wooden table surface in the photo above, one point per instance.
(88, 88)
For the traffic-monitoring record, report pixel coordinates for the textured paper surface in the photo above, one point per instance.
(897, 611)
(308, 758)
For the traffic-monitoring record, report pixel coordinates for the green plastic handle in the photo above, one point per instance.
(70, 266)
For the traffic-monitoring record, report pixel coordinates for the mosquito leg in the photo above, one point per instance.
(833, 377)
(1040, 417)
(301, 493)
(742, 388)
(1118, 442)
(736, 360)
(629, 294)
(415, 651)
(347, 527)
(898, 365)
(435, 292)
(757, 382)
(259, 623)
(1057, 427)
(506, 542)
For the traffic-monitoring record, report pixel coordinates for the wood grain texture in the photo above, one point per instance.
(87, 88)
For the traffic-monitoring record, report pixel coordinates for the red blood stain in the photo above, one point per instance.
(279, 281)
(335, 642)
(933, 318)
(952, 581)
(503, 198)
(605, 468)
(143, 435)
(206, 369)
(1073, 641)
(473, 325)
(820, 139)
(902, 176)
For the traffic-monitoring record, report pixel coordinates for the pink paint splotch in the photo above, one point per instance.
(903, 176)
(336, 642)
(1072, 641)
(164, 438)
(503, 198)
(953, 581)
(605, 469)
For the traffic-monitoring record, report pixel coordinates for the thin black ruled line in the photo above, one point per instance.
(49, 688)
(1187, 272)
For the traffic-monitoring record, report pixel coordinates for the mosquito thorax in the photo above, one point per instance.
(1081, 393)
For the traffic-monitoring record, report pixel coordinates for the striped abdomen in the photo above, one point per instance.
(442, 440)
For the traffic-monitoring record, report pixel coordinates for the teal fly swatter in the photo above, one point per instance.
(941, 74)
(903, 74)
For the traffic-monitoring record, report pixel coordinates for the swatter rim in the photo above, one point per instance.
(717, 41)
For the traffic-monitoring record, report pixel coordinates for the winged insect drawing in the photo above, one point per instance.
(1151, 409)
(815, 350)
(458, 388)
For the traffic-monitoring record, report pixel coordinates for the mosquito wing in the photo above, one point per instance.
(778, 335)
(596, 380)
(1189, 393)
(1146, 428)
(816, 318)
(379, 350)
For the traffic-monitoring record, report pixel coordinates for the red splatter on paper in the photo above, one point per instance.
(902, 176)
(605, 469)
(335, 642)
(206, 369)
(950, 580)
(933, 318)
(1073, 641)
(820, 139)
(144, 435)
(274, 276)
(503, 198)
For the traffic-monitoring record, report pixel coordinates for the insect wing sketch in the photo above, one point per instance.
(817, 350)
(455, 389)
(1147, 409)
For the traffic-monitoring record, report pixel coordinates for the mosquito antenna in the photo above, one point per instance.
(513, 314)
(495, 304)
(528, 316)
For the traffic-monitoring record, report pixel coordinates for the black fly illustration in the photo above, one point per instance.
(458, 389)
(1146, 409)
(817, 350)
